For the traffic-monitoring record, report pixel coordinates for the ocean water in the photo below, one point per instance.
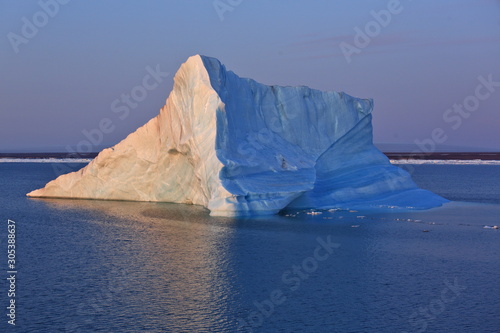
(110, 266)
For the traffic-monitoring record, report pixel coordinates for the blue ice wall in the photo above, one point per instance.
(296, 147)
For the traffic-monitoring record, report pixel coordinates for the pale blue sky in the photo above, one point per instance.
(417, 63)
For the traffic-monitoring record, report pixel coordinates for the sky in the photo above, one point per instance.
(431, 66)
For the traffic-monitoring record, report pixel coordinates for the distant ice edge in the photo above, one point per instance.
(239, 147)
(447, 162)
(394, 162)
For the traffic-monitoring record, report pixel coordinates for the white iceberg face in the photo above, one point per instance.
(239, 147)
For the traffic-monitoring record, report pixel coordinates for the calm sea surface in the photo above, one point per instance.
(107, 266)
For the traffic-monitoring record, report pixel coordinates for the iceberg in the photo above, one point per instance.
(239, 147)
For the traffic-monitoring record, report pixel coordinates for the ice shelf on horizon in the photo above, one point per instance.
(239, 147)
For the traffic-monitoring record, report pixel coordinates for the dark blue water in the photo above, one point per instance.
(97, 266)
(473, 183)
